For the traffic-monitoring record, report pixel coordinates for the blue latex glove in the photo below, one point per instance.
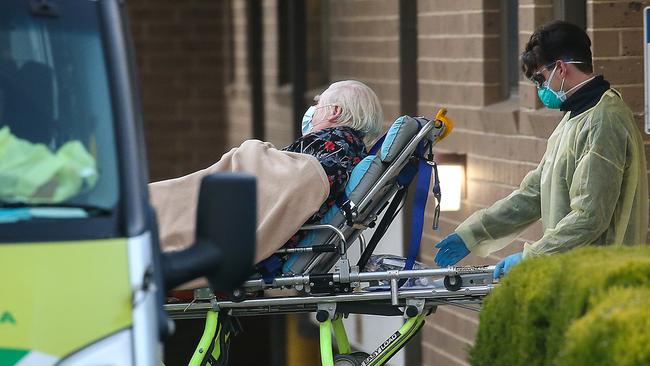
(504, 266)
(451, 250)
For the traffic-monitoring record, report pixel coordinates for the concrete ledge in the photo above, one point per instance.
(502, 117)
(539, 123)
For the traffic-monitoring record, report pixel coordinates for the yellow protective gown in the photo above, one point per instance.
(590, 188)
(31, 173)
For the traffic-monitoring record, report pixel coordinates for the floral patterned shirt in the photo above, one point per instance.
(339, 150)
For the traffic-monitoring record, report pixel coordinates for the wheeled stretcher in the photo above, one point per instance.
(317, 276)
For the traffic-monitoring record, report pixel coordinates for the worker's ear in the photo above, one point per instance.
(562, 69)
(336, 113)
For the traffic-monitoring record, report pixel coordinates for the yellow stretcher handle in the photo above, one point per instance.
(449, 124)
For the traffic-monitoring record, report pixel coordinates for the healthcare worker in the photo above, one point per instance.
(590, 187)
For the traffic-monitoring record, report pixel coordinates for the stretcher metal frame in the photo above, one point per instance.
(463, 287)
(333, 288)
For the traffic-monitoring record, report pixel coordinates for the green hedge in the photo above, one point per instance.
(614, 332)
(528, 320)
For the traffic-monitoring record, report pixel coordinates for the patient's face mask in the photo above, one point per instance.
(306, 120)
(308, 117)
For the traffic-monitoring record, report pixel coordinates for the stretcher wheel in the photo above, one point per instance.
(411, 311)
(353, 359)
(360, 356)
(453, 283)
(322, 316)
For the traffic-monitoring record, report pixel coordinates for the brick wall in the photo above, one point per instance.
(238, 90)
(616, 29)
(503, 139)
(182, 51)
(361, 42)
(364, 45)
(279, 127)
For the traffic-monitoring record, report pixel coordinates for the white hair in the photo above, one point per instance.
(360, 106)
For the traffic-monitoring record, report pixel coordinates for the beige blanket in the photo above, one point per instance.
(290, 189)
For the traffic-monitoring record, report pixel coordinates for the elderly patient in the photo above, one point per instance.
(334, 130)
(296, 184)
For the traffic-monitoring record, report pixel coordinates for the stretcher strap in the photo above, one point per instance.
(425, 168)
(419, 205)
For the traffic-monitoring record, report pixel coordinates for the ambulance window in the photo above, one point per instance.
(57, 143)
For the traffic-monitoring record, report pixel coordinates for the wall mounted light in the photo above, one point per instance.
(451, 171)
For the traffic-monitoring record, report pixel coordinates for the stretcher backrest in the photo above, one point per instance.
(397, 137)
(364, 176)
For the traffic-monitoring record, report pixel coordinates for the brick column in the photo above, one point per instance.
(279, 124)
(238, 90)
(182, 53)
(616, 30)
(535, 120)
(365, 46)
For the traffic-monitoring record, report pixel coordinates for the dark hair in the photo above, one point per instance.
(557, 40)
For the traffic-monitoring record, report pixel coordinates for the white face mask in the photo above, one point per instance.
(307, 118)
